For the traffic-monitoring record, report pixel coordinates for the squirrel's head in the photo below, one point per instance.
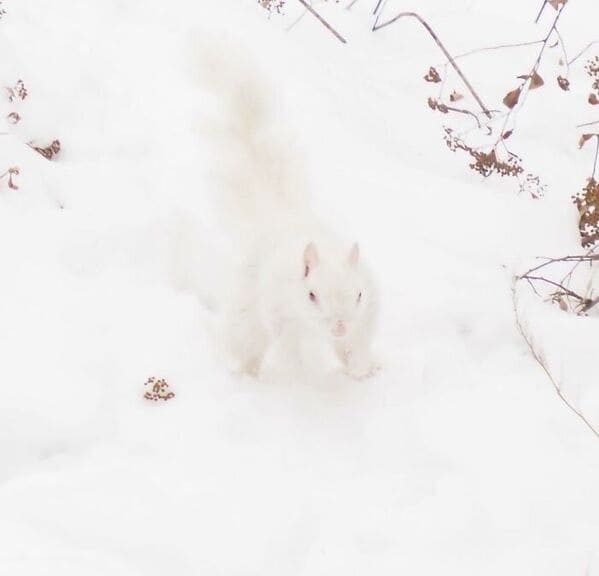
(336, 290)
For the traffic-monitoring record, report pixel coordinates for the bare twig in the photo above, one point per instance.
(540, 361)
(563, 48)
(464, 111)
(596, 156)
(449, 57)
(588, 257)
(541, 11)
(589, 45)
(587, 124)
(322, 21)
(378, 6)
(565, 291)
(526, 79)
(497, 47)
(583, 303)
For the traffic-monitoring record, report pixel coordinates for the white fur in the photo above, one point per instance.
(285, 254)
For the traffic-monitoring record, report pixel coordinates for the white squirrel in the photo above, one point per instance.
(299, 297)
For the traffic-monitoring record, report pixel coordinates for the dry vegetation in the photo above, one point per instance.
(157, 389)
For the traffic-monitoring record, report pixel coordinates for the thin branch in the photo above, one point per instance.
(534, 68)
(596, 156)
(464, 111)
(566, 291)
(296, 21)
(537, 356)
(564, 53)
(497, 47)
(589, 45)
(449, 57)
(587, 124)
(322, 21)
(541, 11)
(378, 6)
(589, 257)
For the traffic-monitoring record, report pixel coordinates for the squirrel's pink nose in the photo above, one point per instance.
(339, 329)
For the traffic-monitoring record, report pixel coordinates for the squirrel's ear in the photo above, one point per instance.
(354, 254)
(310, 257)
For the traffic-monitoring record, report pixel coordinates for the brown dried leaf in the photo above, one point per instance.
(536, 81)
(511, 98)
(13, 171)
(455, 96)
(14, 117)
(584, 139)
(442, 108)
(432, 76)
(557, 3)
(593, 99)
(49, 151)
(506, 134)
(563, 83)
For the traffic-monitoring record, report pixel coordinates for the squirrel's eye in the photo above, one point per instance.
(312, 296)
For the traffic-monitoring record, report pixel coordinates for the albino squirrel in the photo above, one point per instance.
(299, 297)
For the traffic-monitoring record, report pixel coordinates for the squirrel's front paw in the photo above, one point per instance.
(362, 371)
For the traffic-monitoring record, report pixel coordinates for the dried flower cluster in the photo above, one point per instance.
(485, 163)
(17, 92)
(272, 5)
(532, 186)
(157, 389)
(587, 203)
(592, 68)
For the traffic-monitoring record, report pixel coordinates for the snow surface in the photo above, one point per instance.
(459, 458)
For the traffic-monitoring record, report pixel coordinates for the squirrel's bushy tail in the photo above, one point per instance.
(255, 174)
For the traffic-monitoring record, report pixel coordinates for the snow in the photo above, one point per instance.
(458, 458)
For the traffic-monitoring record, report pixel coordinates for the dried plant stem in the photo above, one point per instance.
(497, 47)
(322, 21)
(539, 359)
(589, 45)
(588, 257)
(584, 304)
(449, 57)
(596, 156)
(464, 111)
(533, 70)
(378, 6)
(541, 11)
(566, 291)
